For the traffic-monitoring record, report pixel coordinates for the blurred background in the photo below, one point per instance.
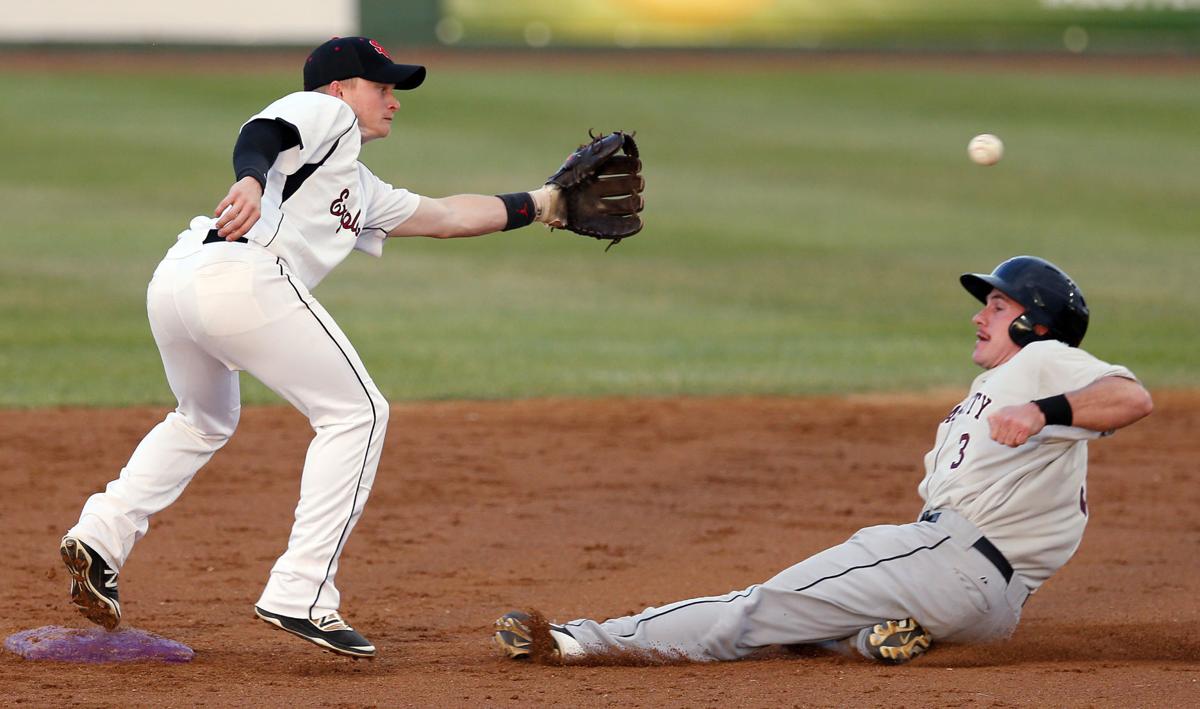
(809, 202)
(1074, 26)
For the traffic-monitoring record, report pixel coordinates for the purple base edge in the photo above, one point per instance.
(56, 643)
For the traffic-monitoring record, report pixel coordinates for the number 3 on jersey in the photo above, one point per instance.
(963, 440)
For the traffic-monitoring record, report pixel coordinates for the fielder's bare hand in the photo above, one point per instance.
(1013, 425)
(240, 209)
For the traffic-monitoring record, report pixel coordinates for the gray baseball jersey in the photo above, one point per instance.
(944, 570)
(1030, 501)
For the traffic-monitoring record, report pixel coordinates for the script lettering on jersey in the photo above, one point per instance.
(345, 221)
(976, 403)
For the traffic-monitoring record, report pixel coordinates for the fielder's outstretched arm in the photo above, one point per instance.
(601, 181)
(476, 214)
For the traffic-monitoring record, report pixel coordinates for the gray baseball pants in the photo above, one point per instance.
(927, 570)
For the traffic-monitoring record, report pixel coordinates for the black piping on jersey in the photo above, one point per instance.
(750, 590)
(938, 452)
(277, 228)
(296, 179)
(366, 453)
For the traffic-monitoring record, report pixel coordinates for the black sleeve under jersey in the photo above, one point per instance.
(259, 143)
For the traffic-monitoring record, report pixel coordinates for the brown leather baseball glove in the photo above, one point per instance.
(600, 188)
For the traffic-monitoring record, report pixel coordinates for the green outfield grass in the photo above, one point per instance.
(804, 229)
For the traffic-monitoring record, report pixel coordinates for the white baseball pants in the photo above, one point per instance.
(222, 307)
(926, 570)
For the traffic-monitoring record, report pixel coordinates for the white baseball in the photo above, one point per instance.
(985, 149)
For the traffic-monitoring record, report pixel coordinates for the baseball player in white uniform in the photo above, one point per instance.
(1005, 507)
(234, 294)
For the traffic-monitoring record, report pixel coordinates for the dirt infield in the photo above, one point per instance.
(593, 508)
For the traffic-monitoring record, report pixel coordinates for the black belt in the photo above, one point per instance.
(214, 237)
(983, 546)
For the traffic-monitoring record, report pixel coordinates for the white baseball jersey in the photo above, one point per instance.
(1030, 501)
(217, 308)
(320, 202)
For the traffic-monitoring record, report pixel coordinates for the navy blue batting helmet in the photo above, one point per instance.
(1050, 298)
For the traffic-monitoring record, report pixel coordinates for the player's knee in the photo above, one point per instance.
(229, 423)
(353, 412)
(725, 636)
(214, 430)
(371, 411)
(379, 410)
(382, 414)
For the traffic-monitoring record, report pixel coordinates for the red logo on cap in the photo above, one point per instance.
(379, 49)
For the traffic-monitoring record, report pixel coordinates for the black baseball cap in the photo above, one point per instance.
(358, 57)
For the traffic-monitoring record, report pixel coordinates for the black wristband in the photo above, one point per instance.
(1056, 409)
(520, 207)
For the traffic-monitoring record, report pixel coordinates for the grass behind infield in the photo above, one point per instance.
(804, 228)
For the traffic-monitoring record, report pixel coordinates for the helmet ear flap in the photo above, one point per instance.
(1022, 331)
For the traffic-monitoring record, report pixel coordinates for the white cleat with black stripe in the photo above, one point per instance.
(329, 632)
